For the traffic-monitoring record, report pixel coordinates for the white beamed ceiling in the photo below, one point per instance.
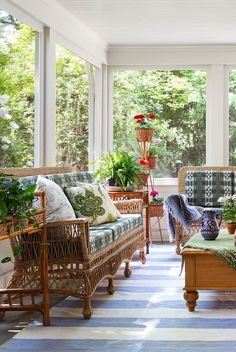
(158, 22)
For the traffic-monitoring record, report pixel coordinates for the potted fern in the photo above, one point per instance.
(118, 169)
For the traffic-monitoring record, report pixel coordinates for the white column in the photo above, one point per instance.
(98, 114)
(110, 110)
(95, 113)
(217, 124)
(50, 96)
(107, 109)
(39, 147)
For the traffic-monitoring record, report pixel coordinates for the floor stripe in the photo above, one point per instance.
(147, 313)
(150, 333)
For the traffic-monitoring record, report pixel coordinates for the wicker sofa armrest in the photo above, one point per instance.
(72, 234)
(131, 206)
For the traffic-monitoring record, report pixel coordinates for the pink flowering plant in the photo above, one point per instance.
(155, 198)
(146, 121)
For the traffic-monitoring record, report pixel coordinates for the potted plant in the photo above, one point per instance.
(156, 204)
(15, 204)
(152, 155)
(228, 204)
(118, 169)
(143, 173)
(146, 127)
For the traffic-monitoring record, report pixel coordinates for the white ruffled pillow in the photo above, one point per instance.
(57, 205)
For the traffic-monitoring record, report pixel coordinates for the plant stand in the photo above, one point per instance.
(156, 211)
(15, 297)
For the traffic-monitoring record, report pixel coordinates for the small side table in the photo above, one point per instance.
(122, 195)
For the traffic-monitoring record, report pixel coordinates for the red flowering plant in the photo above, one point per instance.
(155, 198)
(149, 121)
(143, 162)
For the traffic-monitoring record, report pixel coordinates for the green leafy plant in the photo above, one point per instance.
(153, 149)
(228, 204)
(121, 167)
(15, 201)
(155, 198)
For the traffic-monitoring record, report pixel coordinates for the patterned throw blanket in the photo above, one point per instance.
(223, 246)
(178, 208)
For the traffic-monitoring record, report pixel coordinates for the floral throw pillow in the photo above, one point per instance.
(91, 201)
(57, 205)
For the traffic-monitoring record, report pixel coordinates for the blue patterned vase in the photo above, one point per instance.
(210, 228)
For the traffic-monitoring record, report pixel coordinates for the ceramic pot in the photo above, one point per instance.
(209, 227)
(231, 227)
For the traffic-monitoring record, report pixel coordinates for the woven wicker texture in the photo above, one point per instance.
(183, 234)
(72, 269)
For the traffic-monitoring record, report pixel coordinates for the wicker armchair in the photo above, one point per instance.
(183, 234)
(73, 268)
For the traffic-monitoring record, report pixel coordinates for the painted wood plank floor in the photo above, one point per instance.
(146, 313)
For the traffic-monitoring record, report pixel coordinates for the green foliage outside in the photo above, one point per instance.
(178, 98)
(72, 109)
(17, 107)
(17, 72)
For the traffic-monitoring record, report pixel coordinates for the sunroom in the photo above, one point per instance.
(74, 74)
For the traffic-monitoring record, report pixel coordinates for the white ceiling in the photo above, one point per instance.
(158, 22)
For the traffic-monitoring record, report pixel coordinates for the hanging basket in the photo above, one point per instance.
(152, 162)
(144, 134)
(156, 210)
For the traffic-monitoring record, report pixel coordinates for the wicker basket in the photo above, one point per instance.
(152, 162)
(144, 134)
(156, 210)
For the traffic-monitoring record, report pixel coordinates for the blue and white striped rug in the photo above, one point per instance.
(146, 313)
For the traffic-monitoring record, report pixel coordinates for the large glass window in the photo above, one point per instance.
(72, 109)
(232, 117)
(178, 99)
(17, 75)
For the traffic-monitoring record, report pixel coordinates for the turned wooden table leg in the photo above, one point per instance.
(191, 299)
(110, 287)
(87, 310)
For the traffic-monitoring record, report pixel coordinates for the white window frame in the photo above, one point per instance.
(217, 150)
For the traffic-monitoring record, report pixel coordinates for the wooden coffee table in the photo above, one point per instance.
(205, 271)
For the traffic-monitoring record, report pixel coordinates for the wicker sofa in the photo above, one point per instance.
(79, 257)
(203, 185)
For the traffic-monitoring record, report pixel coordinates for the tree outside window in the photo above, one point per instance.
(72, 109)
(178, 98)
(17, 76)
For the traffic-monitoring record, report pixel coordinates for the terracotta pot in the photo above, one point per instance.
(152, 162)
(4, 228)
(140, 183)
(231, 227)
(144, 134)
(156, 210)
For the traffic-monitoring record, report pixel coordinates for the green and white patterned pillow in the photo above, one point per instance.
(91, 201)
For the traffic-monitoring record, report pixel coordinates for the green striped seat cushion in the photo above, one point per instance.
(122, 225)
(71, 179)
(99, 238)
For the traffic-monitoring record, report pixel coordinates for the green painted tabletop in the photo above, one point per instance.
(223, 246)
